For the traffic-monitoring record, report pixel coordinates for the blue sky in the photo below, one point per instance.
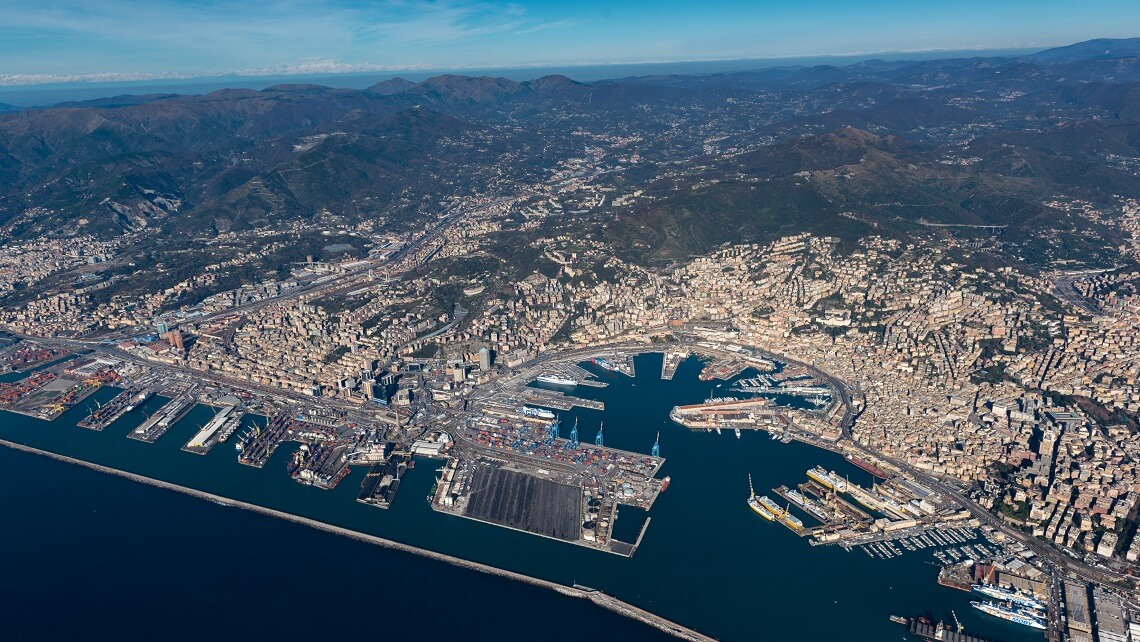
(74, 37)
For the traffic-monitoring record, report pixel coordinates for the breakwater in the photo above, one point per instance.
(597, 597)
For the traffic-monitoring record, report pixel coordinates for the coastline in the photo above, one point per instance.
(597, 597)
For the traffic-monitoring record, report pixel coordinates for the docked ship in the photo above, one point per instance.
(772, 507)
(239, 445)
(869, 467)
(1016, 615)
(755, 503)
(605, 363)
(829, 479)
(1006, 595)
(791, 520)
(138, 399)
(540, 413)
(556, 380)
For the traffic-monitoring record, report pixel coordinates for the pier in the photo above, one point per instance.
(157, 425)
(379, 486)
(322, 464)
(262, 442)
(216, 431)
(941, 632)
(669, 364)
(558, 400)
(114, 409)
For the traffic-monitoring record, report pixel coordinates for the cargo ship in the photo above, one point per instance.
(540, 413)
(605, 363)
(138, 399)
(755, 503)
(556, 380)
(1006, 595)
(665, 483)
(869, 467)
(1015, 615)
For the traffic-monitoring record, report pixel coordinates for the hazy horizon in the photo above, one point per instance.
(118, 40)
(46, 94)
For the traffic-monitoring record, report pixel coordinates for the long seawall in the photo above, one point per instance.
(597, 597)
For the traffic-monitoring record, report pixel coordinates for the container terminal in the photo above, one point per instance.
(158, 423)
(110, 412)
(27, 355)
(48, 394)
(514, 470)
(216, 431)
(257, 446)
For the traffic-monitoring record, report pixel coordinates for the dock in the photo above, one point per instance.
(379, 486)
(941, 632)
(157, 425)
(216, 431)
(558, 400)
(46, 395)
(114, 409)
(322, 465)
(670, 363)
(262, 442)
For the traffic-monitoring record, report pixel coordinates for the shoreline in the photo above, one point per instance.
(597, 597)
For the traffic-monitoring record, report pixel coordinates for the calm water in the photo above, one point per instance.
(112, 548)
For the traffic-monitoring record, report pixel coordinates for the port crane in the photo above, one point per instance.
(572, 443)
(552, 432)
(656, 452)
(598, 439)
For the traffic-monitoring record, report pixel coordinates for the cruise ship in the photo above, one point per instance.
(1018, 616)
(772, 506)
(540, 413)
(829, 479)
(756, 506)
(791, 520)
(605, 363)
(556, 380)
(1007, 595)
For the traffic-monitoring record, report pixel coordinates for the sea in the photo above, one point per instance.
(88, 552)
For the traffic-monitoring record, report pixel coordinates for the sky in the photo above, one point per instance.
(43, 40)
